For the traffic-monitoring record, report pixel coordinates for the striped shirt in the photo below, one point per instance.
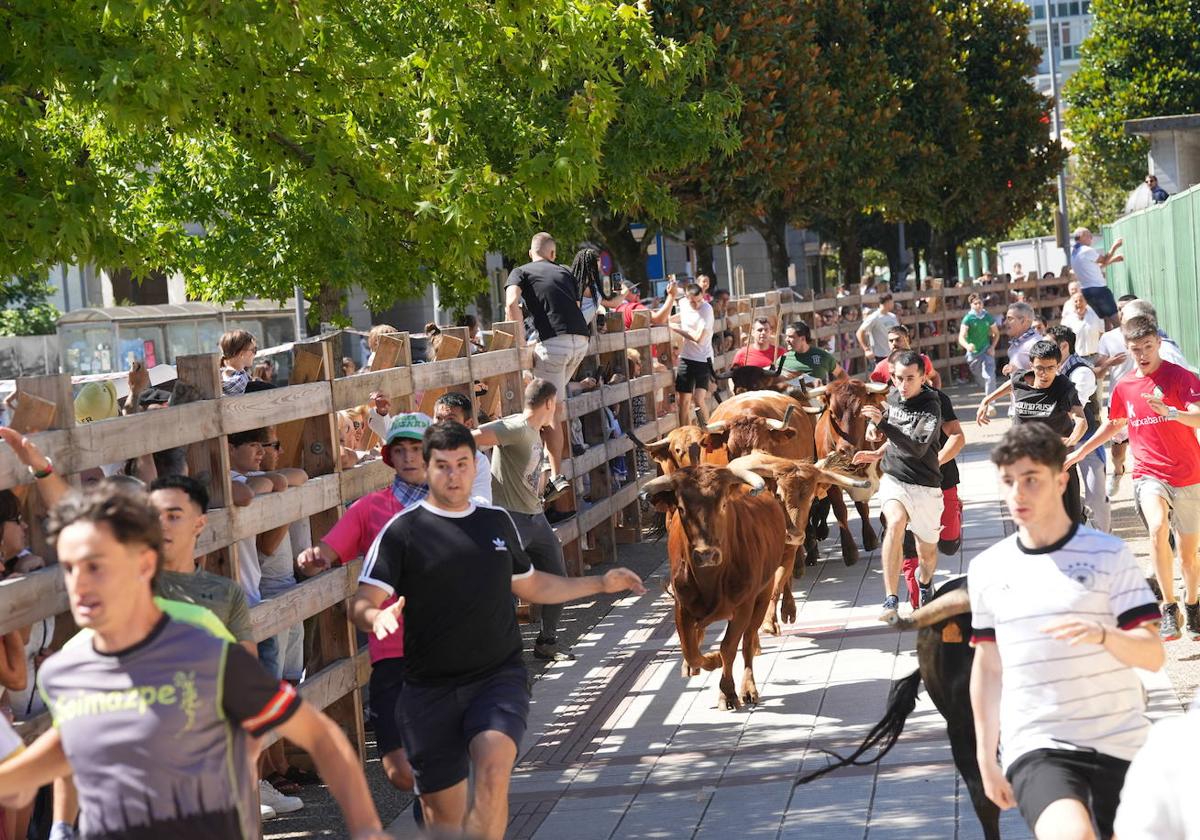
(1055, 696)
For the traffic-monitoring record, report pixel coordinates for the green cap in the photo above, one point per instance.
(410, 426)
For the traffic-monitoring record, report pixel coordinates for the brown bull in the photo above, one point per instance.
(725, 541)
(749, 378)
(841, 431)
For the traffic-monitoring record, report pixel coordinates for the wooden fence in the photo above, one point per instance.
(304, 413)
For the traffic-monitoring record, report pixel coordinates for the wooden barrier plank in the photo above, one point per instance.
(306, 367)
(585, 403)
(365, 478)
(275, 407)
(433, 374)
(351, 391)
(309, 597)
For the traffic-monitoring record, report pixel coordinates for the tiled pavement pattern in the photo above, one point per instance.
(621, 746)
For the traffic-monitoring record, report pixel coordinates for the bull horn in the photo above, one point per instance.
(939, 609)
(777, 425)
(813, 409)
(821, 464)
(877, 387)
(748, 477)
(657, 485)
(819, 391)
(787, 415)
(652, 444)
(845, 481)
(754, 463)
(715, 427)
(696, 416)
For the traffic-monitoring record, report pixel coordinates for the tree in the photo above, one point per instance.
(23, 306)
(1141, 59)
(254, 146)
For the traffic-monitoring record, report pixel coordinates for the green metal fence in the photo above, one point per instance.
(1162, 264)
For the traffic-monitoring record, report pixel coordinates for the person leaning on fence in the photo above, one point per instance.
(556, 326)
(465, 702)
(351, 538)
(237, 355)
(516, 477)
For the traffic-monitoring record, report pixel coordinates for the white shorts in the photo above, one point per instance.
(922, 504)
(556, 360)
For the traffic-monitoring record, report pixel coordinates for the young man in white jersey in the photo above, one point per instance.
(1061, 617)
(692, 377)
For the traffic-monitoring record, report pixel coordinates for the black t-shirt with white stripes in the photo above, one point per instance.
(455, 570)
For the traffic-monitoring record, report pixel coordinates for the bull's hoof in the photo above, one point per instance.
(727, 703)
(750, 696)
(822, 531)
(686, 671)
(787, 611)
(812, 556)
(770, 625)
(870, 541)
(850, 557)
(710, 661)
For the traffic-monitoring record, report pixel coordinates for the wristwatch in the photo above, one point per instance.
(1172, 412)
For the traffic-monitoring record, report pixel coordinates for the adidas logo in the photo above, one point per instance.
(500, 544)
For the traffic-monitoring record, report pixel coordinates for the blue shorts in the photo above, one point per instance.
(1101, 299)
(439, 722)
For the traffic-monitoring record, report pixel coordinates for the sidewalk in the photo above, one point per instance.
(620, 746)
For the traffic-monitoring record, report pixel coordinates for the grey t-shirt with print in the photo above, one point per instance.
(157, 734)
(516, 464)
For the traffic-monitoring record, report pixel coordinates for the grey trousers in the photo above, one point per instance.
(546, 552)
(1095, 494)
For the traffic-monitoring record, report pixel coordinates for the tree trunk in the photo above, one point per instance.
(942, 256)
(331, 306)
(705, 263)
(850, 254)
(629, 254)
(773, 229)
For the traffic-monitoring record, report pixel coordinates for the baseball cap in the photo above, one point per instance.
(409, 426)
(630, 286)
(96, 401)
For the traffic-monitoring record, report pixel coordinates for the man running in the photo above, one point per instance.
(153, 716)
(872, 334)
(1091, 469)
(978, 335)
(1021, 332)
(803, 358)
(1061, 617)
(760, 352)
(1048, 398)
(455, 566)
(1159, 402)
(910, 492)
(694, 374)
(516, 473)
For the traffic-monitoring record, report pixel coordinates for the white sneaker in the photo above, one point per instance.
(266, 812)
(267, 795)
(1114, 484)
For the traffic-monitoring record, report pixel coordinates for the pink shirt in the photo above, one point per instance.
(352, 536)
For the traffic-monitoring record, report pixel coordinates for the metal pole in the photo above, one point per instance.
(301, 327)
(728, 261)
(1065, 239)
(898, 282)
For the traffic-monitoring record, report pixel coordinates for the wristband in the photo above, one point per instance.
(46, 472)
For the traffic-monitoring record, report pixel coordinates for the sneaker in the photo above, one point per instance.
(1192, 613)
(1168, 630)
(891, 609)
(281, 804)
(556, 516)
(548, 651)
(926, 592)
(1114, 484)
(266, 812)
(555, 487)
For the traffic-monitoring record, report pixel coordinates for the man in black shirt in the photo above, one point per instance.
(455, 566)
(910, 492)
(554, 321)
(1043, 395)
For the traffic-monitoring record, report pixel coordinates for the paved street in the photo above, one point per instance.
(620, 746)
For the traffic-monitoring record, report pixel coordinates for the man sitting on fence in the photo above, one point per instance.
(204, 696)
(352, 537)
(516, 476)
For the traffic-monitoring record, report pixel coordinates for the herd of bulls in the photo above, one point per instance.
(742, 494)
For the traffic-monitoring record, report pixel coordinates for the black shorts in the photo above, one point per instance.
(1101, 299)
(387, 678)
(691, 375)
(1042, 777)
(439, 722)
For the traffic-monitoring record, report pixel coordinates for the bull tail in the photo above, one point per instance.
(902, 699)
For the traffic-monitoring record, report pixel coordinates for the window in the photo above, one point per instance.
(1039, 12)
(1085, 7)
(1064, 9)
(1074, 7)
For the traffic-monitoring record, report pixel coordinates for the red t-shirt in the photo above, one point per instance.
(627, 308)
(751, 356)
(883, 373)
(352, 536)
(1162, 448)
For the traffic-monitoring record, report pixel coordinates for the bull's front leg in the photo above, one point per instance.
(690, 634)
(739, 626)
(849, 548)
(870, 541)
(750, 649)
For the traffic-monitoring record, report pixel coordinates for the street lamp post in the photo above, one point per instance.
(1064, 238)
